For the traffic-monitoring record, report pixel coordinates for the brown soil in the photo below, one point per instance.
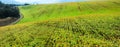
(7, 21)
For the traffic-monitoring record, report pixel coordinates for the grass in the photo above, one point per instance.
(90, 27)
(52, 11)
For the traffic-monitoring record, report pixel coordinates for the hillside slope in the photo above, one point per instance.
(53, 11)
(90, 27)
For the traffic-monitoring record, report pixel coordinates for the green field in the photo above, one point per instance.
(75, 24)
(53, 11)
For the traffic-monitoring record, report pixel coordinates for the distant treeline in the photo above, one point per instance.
(8, 10)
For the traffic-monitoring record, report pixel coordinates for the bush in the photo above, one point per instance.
(8, 11)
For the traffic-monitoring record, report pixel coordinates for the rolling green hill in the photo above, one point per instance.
(76, 24)
(53, 11)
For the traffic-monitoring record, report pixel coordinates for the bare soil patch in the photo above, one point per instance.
(7, 21)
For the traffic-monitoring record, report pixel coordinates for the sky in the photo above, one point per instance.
(38, 1)
(45, 1)
(9, 1)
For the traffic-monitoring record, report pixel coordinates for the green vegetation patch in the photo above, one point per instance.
(82, 24)
(53, 11)
(83, 31)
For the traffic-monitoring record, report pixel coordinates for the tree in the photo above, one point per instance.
(1, 2)
(8, 11)
(26, 4)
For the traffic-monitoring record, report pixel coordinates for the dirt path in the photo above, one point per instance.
(10, 20)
